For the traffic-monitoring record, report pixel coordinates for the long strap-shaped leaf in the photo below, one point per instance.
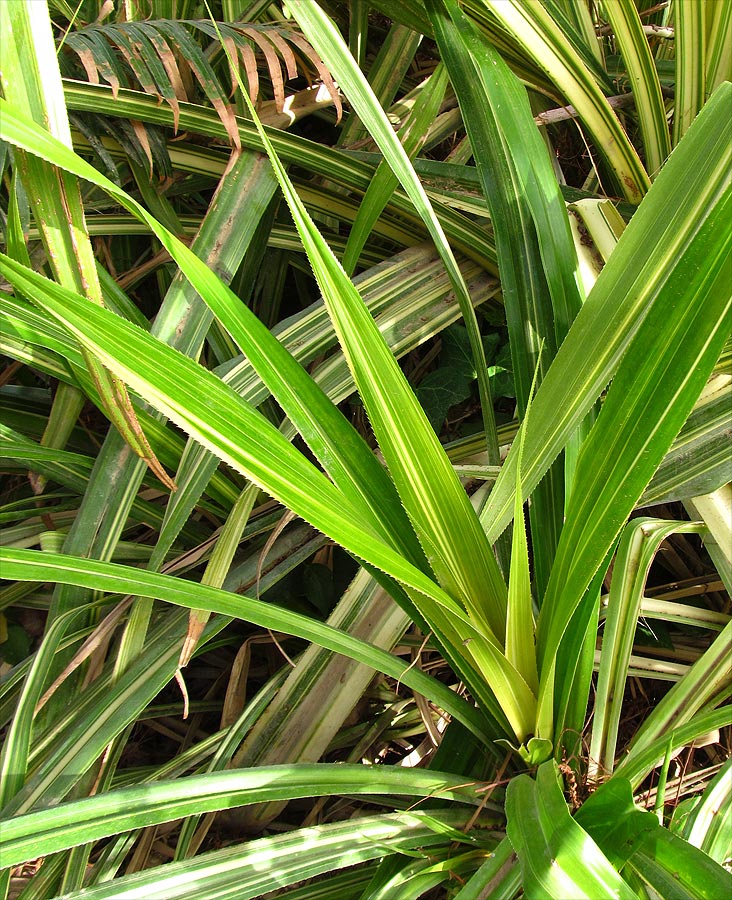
(343, 452)
(536, 256)
(215, 416)
(31, 78)
(412, 134)
(326, 39)
(333, 165)
(427, 484)
(638, 546)
(533, 27)
(690, 69)
(33, 565)
(633, 45)
(708, 682)
(114, 812)
(654, 390)
(648, 268)
(250, 870)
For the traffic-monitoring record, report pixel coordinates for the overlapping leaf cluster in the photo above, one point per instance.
(617, 373)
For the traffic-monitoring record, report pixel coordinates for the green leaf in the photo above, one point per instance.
(718, 45)
(643, 760)
(430, 491)
(251, 870)
(31, 79)
(638, 546)
(674, 868)
(50, 830)
(439, 391)
(633, 45)
(500, 875)
(548, 45)
(536, 256)
(698, 462)
(340, 168)
(559, 860)
(326, 429)
(612, 819)
(654, 390)
(174, 385)
(520, 645)
(327, 40)
(412, 135)
(706, 682)
(709, 825)
(690, 73)
(650, 266)
(30, 565)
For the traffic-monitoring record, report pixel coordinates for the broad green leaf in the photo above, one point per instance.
(672, 867)
(559, 860)
(614, 822)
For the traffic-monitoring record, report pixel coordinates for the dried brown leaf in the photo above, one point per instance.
(285, 52)
(325, 76)
(141, 133)
(90, 65)
(167, 58)
(231, 58)
(273, 64)
(250, 66)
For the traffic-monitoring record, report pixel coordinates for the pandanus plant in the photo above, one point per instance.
(618, 331)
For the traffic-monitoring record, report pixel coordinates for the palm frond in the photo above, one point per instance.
(176, 61)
